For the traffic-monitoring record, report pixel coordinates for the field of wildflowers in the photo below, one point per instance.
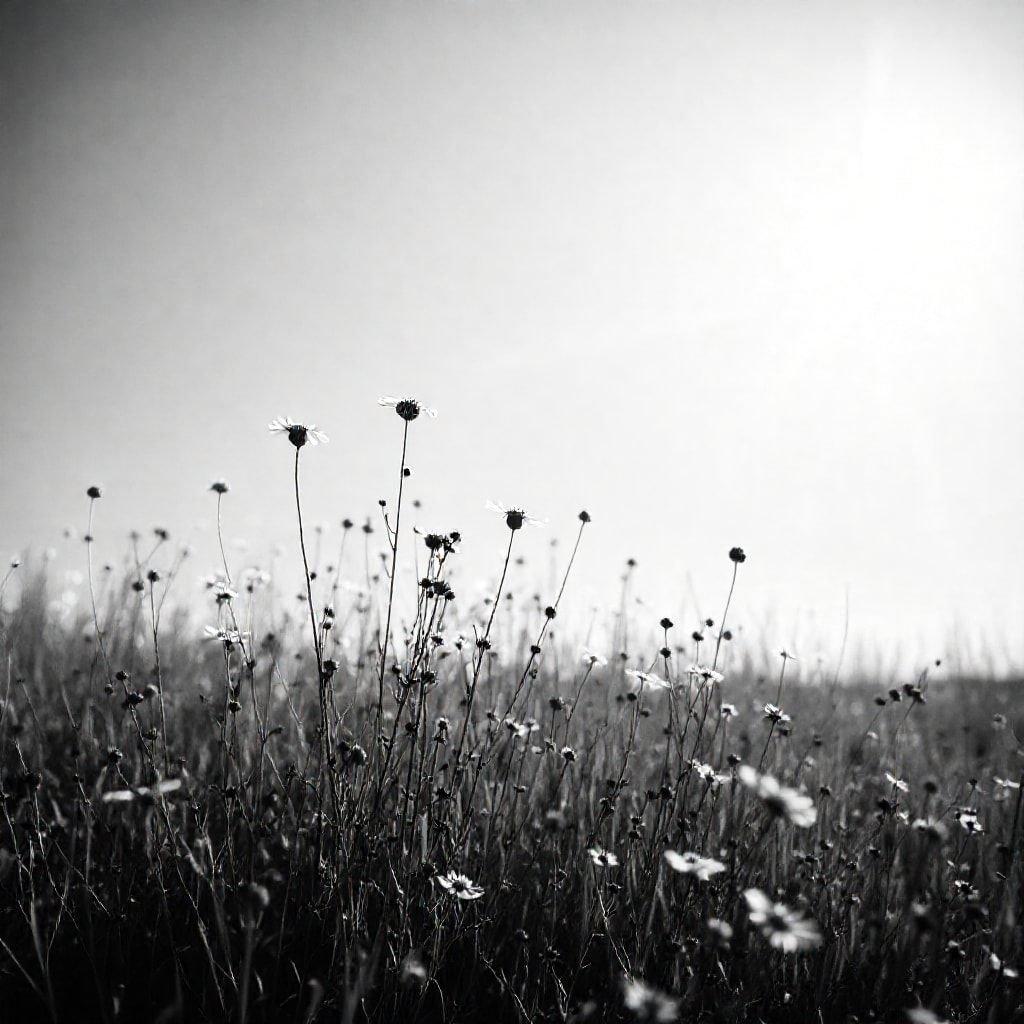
(361, 805)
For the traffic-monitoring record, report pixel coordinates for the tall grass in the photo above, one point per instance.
(350, 814)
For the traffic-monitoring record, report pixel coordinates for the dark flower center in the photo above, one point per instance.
(514, 519)
(408, 409)
(297, 435)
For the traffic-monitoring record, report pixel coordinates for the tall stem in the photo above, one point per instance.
(324, 720)
(725, 614)
(391, 586)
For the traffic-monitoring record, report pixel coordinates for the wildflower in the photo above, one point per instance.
(220, 487)
(602, 858)
(521, 730)
(1005, 783)
(775, 714)
(412, 970)
(922, 1015)
(969, 822)
(898, 784)
(1000, 967)
(590, 658)
(123, 796)
(95, 492)
(568, 754)
(737, 555)
(708, 675)
(933, 829)
(514, 517)
(459, 886)
(784, 929)
(728, 710)
(782, 801)
(648, 679)
(254, 897)
(720, 932)
(703, 868)
(298, 433)
(998, 722)
(15, 562)
(408, 408)
(228, 637)
(646, 1003)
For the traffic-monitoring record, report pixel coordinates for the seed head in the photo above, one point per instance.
(737, 555)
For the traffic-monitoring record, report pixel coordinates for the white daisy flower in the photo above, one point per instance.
(703, 868)
(459, 886)
(784, 929)
(515, 518)
(408, 408)
(602, 858)
(647, 680)
(298, 433)
(782, 801)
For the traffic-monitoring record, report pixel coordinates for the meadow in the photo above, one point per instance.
(338, 802)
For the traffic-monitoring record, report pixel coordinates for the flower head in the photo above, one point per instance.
(220, 487)
(782, 801)
(784, 929)
(228, 637)
(646, 1003)
(298, 433)
(602, 858)
(775, 714)
(897, 784)
(408, 408)
(647, 680)
(588, 657)
(515, 518)
(459, 886)
(702, 868)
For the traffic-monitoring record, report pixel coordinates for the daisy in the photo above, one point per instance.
(459, 886)
(514, 517)
(969, 822)
(708, 675)
(220, 487)
(646, 1003)
(782, 801)
(897, 783)
(922, 1015)
(602, 858)
(647, 679)
(775, 714)
(298, 433)
(728, 710)
(703, 868)
(784, 929)
(124, 796)
(935, 830)
(588, 657)
(407, 408)
(228, 637)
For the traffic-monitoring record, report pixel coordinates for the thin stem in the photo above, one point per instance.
(391, 585)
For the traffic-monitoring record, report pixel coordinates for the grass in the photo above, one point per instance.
(351, 809)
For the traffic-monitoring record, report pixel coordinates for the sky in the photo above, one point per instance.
(721, 273)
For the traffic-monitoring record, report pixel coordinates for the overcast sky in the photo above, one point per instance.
(723, 273)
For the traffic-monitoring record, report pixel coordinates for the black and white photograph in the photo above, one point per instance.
(512, 511)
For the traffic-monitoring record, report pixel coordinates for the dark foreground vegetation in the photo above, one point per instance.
(269, 821)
